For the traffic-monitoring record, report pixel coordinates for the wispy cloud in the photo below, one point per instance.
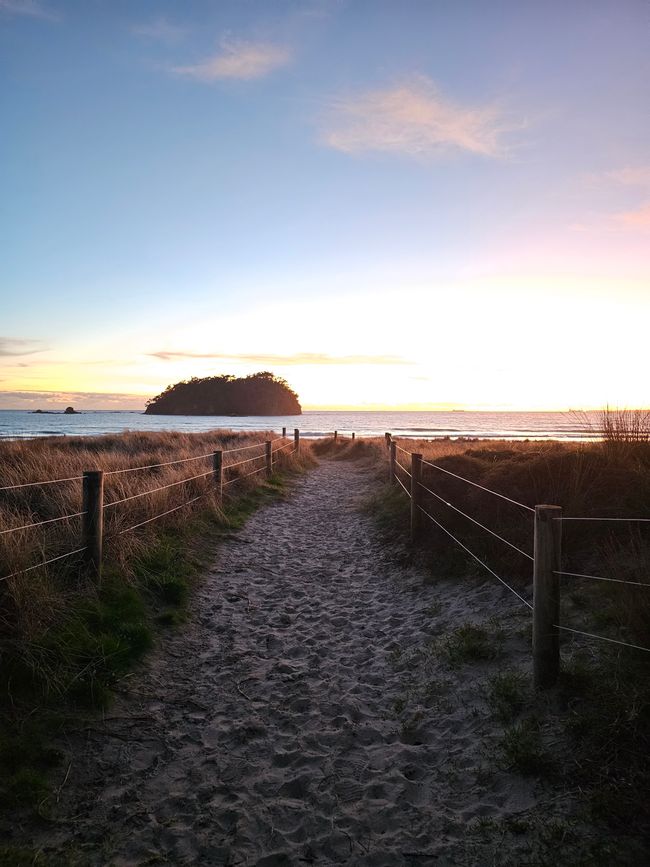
(239, 60)
(79, 399)
(159, 30)
(29, 8)
(11, 346)
(633, 176)
(297, 358)
(413, 118)
(636, 218)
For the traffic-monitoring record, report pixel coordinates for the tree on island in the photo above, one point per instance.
(258, 394)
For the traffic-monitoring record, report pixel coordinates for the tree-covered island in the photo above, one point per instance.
(258, 394)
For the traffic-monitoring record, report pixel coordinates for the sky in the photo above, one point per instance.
(412, 204)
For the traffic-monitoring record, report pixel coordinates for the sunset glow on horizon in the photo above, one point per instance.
(404, 206)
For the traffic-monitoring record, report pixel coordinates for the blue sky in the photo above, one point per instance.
(202, 187)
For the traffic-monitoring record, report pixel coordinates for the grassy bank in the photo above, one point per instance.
(602, 702)
(65, 642)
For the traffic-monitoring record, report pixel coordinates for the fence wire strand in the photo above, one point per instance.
(600, 578)
(285, 446)
(45, 563)
(602, 638)
(478, 523)
(243, 476)
(478, 559)
(244, 448)
(154, 466)
(476, 485)
(161, 515)
(42, 523)
(247, 461)
(406, 491)
(397, 464)
(49, 482)
(156, 490)
(629, 520)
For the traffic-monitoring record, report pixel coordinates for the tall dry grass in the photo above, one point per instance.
(32, 600)
(603, 696)
(65, 640)
(607, 478)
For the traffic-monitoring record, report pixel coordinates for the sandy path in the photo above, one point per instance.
(297, 719)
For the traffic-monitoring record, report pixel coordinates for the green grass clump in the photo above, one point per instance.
(607, 716)
(523, 750)
(389, 508)
(469, 643)
(25, 759)
(506, 695)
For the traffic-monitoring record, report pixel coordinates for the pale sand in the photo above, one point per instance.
(270, 729)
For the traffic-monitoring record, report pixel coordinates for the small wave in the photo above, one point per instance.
(434, 430)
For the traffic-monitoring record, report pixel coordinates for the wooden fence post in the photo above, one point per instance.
(284, 433)
(416, 495)
(296, 440)
(392, 476)
(92, 522)
(546, 596)
(269, 458)
(217, 469)
(388, 438)
(336, 435)
(352, 434)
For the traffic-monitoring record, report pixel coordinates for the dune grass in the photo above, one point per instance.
(603, 697)
(65, 641)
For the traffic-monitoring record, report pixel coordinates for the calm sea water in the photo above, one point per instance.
(428, 425)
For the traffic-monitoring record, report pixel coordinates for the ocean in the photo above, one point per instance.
(425, 425)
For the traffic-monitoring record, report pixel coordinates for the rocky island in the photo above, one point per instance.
(258, 394)
(69, 410)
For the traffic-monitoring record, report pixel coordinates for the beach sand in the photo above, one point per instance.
(303, 714)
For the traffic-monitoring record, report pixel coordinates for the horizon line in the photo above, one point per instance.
(411, 408)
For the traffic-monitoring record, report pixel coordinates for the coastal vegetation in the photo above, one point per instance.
(258, 394)
(65, 641)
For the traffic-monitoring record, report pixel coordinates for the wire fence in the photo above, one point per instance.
(46, 563)
(547, 570)
(545, 577)
(41, 523)
(475, 557)
(90, 511)
(39, 484)
(476, 485)
(156, 490)
(155, 466)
